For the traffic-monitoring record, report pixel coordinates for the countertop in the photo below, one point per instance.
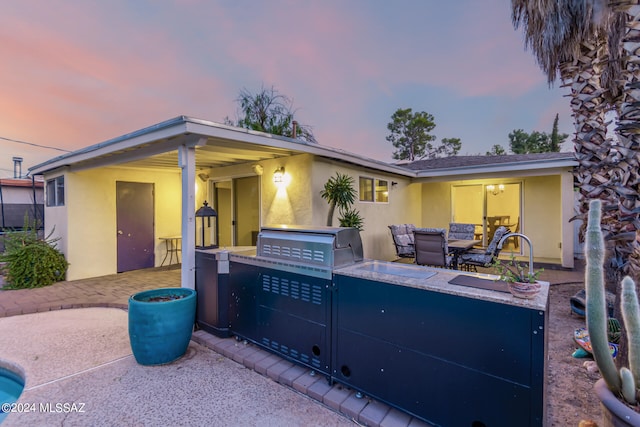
(415, 276)
(439, 282)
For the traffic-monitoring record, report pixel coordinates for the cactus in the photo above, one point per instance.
(621, 383)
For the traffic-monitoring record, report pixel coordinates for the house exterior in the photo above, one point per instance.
(153, 180)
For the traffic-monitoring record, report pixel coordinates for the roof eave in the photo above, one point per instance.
(528, 165)
(197, 128)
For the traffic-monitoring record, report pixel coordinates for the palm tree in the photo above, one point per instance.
(625, 158)
(567, 39)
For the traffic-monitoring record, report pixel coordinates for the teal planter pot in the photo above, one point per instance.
(160, 324)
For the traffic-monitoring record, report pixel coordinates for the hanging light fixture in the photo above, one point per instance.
(495, 190)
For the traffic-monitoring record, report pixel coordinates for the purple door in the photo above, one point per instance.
(134, 217)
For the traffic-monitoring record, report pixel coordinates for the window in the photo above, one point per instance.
(366, 189)
(382, 191)
(55, 191)
(374, 190)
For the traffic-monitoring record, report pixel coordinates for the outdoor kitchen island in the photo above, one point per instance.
(449, 354)
(400, 333)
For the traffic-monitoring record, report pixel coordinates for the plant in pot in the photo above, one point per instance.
(522, 282)
(617, 389)
(160, 324)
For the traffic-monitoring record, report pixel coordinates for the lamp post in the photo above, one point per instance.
(207, 212)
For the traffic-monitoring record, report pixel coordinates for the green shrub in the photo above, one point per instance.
(31, 262)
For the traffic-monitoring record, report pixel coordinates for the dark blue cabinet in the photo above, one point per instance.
(444, 358)
(284, 312)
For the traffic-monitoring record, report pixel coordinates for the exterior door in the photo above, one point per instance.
(468, 206)
(246, 210)
(134, 220)
(222, 204)
(237, 202)
(504, 209)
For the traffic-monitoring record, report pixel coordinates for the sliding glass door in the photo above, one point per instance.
(489, 206)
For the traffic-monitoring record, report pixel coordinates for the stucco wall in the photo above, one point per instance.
(299, 201)
(403, 206)
(56, 224)
(542, 212)
(542, 216)
(90, 206)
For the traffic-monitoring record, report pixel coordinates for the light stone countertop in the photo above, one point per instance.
(417, 276)
(410, 275)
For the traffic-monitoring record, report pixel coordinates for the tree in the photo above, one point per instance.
(599, 61)
(557, 139)
(536, 142)
(521, 142)
(449, 147)
(412, 140)
(497, 150)
(268, 111)
(338, 191)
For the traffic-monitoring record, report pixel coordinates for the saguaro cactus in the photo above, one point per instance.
(624, 382)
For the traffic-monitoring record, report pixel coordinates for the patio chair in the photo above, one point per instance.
(402, 235)
(431, 247)
(461, 231)
(474, 259)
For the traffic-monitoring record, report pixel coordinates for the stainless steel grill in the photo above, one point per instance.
(329, 247)
(286, 288)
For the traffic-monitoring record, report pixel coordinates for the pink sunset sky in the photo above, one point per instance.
(75, 73)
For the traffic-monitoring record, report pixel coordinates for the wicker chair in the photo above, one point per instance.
(402, 235)
(431, 247)
(473, 259)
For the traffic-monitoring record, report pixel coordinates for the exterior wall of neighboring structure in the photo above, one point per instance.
(18, 200)
(87, 221)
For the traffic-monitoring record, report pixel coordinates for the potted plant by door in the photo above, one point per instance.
(617, 390)
(521, 283)
(160, 324)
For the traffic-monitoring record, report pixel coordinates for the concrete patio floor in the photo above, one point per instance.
(83, 356)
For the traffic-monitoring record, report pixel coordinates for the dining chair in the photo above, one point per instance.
(431, 247)
(473, 259)
(402, 235)
(461, 231)
(515, 239)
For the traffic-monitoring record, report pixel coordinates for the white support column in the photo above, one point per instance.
(187, 162)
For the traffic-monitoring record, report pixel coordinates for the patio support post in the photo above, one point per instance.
(187, 161)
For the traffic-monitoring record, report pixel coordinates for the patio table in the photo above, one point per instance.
(458, 247)
(172, 246)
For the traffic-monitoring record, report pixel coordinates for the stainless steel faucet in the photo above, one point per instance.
(506, 236)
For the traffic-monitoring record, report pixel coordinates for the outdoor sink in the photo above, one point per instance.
(404, 270)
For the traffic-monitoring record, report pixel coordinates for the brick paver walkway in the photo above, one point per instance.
(106, 291)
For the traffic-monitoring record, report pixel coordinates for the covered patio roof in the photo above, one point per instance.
(217, 145)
